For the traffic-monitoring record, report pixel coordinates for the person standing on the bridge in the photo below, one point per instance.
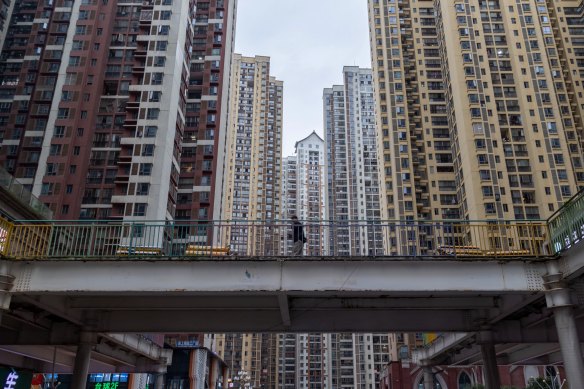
(298, 236)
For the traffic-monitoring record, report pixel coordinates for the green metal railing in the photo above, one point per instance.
(372, 239)
(566, 225)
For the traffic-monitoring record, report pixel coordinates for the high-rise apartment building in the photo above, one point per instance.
(289, 196)
(251, 192)
(251, 355)
(336, 360)
(5, 11)
(479, 107)
(310, 192)
(353, 181)
(109, 108)
(480, 110)
(353, 198)
(203, 144)
(253, 161)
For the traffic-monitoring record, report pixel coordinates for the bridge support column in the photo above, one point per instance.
(428, 378)
(426, 365)
(491, 370)
(559, 300)
(82, 359)
(160, 381)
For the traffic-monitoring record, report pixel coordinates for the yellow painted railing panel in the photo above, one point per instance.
(5, 232)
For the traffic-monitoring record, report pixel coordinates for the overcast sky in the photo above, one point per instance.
(309, 42)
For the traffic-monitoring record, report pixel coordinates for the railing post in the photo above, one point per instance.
(91, 237)
(131, 238)
(171, 239)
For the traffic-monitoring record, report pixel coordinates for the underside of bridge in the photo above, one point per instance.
(93, 309)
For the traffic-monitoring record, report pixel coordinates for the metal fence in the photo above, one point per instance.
(221, 239)
(566, 226)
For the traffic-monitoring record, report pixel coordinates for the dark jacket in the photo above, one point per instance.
(298, 232)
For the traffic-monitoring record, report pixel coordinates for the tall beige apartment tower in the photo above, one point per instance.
(479, 110)
(251, 199)
(479, 106)
(253, 155)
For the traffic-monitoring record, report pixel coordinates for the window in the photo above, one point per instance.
(142, 189)
(140, 209)
(464, 381)
(63, 113)
(55, 150)
(565, 189)
(157, 78)
(145, 169)
(150, 131)
(153, 113)
(51, 169)
(161, 45)
(59, 132)
(66, 96)
(148, 150)
(159, 61)
(155, 95)
(80, 30)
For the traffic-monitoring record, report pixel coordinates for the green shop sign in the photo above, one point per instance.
(106, 385)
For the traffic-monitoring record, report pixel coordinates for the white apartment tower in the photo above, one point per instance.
(311, 186)
(289, 201)
(351, 160)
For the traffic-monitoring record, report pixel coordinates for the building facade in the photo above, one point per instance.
(251, 192)
(253, 161)
(103, 104)
(352, 190)
(254, 356)
(289, 203)
(480, 108)
(406, 375)
(203, 144)
(334, 360)
(310, 192)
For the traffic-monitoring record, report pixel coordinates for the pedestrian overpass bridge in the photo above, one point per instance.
(87, 284)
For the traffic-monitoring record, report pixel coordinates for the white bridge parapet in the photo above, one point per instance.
(271, 276)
